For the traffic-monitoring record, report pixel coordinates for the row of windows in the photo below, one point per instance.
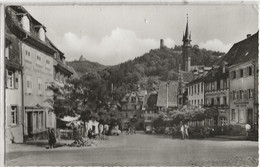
(216, 101)
(243, 72)
(39, 60)
(196, 102)
(29, 85)
(216, 85)
(195, 88)
(240, 115)
(242, 94)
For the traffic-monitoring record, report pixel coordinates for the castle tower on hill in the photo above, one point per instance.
(186, 46)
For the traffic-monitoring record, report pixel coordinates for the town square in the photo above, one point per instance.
(130, 85)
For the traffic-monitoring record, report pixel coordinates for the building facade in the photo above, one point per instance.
(40, 60)
(13, 90)
(132, 104)
(217, 94)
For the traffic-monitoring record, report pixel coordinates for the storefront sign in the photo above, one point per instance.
(241, 104)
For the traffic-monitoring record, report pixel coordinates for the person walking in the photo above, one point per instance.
(52, 138)
(248, 127)
(186, 128)
(182, 131)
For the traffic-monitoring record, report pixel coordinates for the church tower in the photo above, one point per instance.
(186, 46)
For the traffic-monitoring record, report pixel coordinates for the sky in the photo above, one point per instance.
(112, 34)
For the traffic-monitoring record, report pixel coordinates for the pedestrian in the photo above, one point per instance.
(100, 129)
(186, 128)
(248, 127)
(52, 138)
(182, 130)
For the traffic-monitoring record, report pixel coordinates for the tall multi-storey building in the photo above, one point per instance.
(242, 81)
(217, 94)
(40, 60)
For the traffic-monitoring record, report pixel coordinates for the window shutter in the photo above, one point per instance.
(6, 78)
(16, 80)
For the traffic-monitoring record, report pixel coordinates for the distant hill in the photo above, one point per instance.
(84, 66)
(158, 65)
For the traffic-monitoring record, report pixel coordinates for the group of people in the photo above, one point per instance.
(131, 130)
(102, 130)
(184, 130)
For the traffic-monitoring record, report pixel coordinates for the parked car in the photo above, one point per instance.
(115, 131)
(148, 129)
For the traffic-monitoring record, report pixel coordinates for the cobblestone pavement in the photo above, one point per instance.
(142, 149)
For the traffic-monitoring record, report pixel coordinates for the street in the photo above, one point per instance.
(142, 149)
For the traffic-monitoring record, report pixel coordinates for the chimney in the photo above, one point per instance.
(161, 43)
(248, 35)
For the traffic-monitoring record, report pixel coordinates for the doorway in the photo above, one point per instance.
(250, 117)
(29, 124)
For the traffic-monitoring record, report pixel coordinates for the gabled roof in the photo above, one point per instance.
(172, 94)
(187, 76)
(242, 51)
(216, 74)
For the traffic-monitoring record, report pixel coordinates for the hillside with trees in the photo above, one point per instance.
(145, 71)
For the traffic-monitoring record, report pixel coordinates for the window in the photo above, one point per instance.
(224, 100)
(234, 95)
(40, 86)
(25, 23)
(27, 55)
(250, 71)
(241, 72)
(198, 88)
(195, 102)
(39, 59)
(40, 120)
(195, 89)
(201, 87)
(233, 115)
(212, 101)
(233, 74)
(14, 117)
(29, 84)
(133, 99)
(213, 85)
(198, 102)
(218, 85)
(224, 83)
(250, 93)
(218, 101)
(7, 51)
(42, 34)
(201, 101)
(37, 120)
(191, 102)
(241, 93)
(223, 120)
(191, 89)
(10, 79)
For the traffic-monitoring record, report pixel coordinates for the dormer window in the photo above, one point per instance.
(42, 34)
(25, 23)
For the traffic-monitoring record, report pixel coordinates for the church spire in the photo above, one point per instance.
(187, 28)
